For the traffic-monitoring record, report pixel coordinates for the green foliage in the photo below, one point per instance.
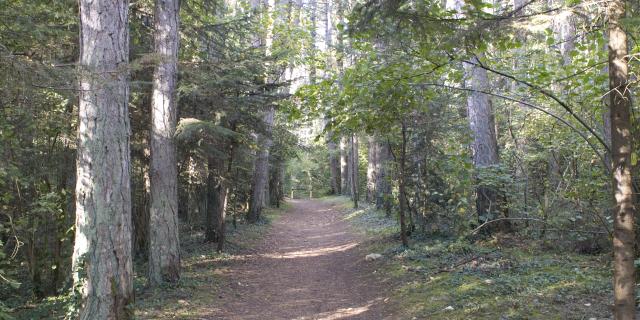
(449, 278)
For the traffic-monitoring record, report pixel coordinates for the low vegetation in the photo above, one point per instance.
(494, 278)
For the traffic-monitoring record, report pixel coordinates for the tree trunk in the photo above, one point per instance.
(383, 184)
(485, 146)
(344, 167)
(223, 198)
(372, 155)
(261, 169)
(102, 266)
(275, 184)
(624, 211)
(334, 166)
(354, 170)
(402, 187)
(164, 244)
(213, 201)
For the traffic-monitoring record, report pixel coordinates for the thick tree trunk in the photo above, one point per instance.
(261, 169)
(102, 267)
(485, 146)
(164, 244)
(624, 212)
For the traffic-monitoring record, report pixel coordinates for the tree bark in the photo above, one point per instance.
(485, 145)
(164, 249)
(261, 169)
(402, 187)
(212, 200)
(354, 170)
(102, 266)
(334, 165)
(624, 211)
(344, 167)
(372, 155)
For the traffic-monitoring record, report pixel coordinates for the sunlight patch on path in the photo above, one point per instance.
(312, 252)
(341, 313)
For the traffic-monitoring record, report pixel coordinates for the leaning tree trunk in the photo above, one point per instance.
(164, 245)
(485, 146)
(102, 267)
(261, 169)
(624, 212)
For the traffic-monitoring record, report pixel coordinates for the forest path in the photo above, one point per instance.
(310, 265)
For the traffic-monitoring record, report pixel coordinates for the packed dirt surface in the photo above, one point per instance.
(309, 266)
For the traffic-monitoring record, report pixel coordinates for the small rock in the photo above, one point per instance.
(488, 281)
(372, 257)
(587, 304)
(449, 308)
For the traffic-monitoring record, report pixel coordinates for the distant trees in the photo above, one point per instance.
(102, 263)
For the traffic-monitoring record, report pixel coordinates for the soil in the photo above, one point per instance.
(310, 265)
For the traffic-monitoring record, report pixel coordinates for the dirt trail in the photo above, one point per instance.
(309, 266)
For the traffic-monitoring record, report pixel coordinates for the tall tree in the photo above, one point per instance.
(260, 179)
(102, 267)
(353, 164)
(383, 184)
(624, 211)
(485, 145)
(164, 244)
(334, 165)
(372, 163)
(332, 146)
(344, 167)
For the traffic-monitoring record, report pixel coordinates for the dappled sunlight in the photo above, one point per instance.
(321, 251)
(341, 313)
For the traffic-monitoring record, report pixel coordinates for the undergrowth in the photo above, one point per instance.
(509, 278)
(203, 272)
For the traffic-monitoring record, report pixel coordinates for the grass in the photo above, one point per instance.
(204, 271)
(445, 278)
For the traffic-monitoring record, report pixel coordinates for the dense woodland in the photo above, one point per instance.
(128, 125)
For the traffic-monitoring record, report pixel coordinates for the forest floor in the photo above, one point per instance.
(307, 261)
(309, 264)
